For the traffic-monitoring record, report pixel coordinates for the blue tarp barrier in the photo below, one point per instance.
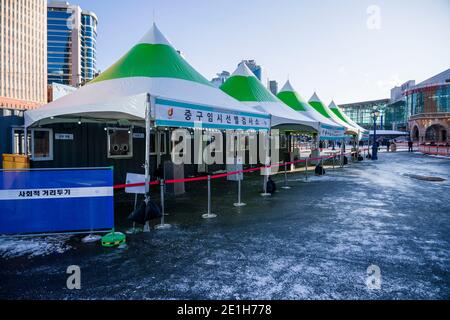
(50, 201)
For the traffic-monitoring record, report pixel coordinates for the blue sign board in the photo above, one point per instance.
(50, 201)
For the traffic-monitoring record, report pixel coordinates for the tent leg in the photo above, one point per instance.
(134, 230)
(267, 167)
(25, 141)
(239, 203)
(306, 169)
(163, 224)
(147, 157)
(158, 148)
(286, 187)
(209, 215)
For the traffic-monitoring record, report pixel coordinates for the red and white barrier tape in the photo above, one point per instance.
(228, 174)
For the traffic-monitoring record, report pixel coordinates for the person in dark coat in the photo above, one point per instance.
(410, 146)
(271, 186)
(319, 171)
(320, 145)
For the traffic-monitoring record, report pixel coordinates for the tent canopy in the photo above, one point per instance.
(290, 97)
(152, 67)
(341, 115)
(317, 104)
(245, 87)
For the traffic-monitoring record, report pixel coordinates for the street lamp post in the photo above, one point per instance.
(375, 115)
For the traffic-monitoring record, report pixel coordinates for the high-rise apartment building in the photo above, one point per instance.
(23, 54)
(273, 87)
(255, 68)
(220, 79)
(72, 43)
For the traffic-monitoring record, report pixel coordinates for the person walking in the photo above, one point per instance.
(410, 146)
(388, 145)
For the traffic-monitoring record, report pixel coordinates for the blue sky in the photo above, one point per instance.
(324, 46)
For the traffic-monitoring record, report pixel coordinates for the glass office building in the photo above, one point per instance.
(361, 112)
(88, 46)
(59, 46)
(396, 116)
(71, 44)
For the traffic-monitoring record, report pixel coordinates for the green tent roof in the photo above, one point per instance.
(245, 87)
(338, 113)
(290, 97)
(152, 57)
(317, 104)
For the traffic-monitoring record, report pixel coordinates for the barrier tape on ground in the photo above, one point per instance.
(228, 174)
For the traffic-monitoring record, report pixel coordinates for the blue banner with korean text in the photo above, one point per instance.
(54, 201)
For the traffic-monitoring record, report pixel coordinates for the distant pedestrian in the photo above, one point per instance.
(271, 186)
(388, 146)
(410, 146)
(319, 170)
(393, 147)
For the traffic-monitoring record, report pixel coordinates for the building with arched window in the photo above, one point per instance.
(429, 106)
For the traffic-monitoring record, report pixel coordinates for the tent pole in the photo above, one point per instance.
(25, 140)
(147, 155)
(357, 141)
(267, 163)
(158, 148)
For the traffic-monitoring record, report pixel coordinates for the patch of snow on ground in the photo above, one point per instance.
(13, 247)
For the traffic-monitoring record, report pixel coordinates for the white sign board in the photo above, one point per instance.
(63, 136)
(139, 135)
(133, 178)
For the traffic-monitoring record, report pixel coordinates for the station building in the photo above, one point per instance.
(360, 112)
(421, 109)
(429, 106)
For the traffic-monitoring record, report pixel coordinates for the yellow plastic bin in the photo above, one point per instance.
(16, 161)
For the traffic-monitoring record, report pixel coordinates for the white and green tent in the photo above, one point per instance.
(245, 87)
(329, 130)
(180, 96)
(339, 113)
(318, 105)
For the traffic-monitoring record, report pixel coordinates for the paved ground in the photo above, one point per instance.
(314, 241)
